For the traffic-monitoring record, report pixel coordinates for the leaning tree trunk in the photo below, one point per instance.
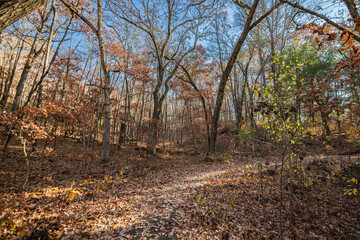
(226, 74)
(13, 10)
(33, 54)
(10, 79)
(354, 12)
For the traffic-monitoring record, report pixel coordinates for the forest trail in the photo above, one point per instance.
(126, 199)
(88, 89)
(138, 198)
(159, 208)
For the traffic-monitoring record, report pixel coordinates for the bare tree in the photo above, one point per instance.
(169, 25)
(248, 26)
(99, 34)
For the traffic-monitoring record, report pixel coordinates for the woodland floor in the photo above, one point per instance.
(71, 195)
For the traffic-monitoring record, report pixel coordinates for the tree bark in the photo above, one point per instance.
(33, 54)
(226, 74)
(154, 124)
(107, 124)
(354, 13)
(10, 79)
(13, 10)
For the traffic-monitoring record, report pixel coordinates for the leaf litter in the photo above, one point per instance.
(172, 196)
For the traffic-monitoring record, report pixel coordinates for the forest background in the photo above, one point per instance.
(274, 83)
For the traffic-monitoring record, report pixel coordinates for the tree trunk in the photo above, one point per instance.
(225, 76)
(139, 133)
(99, 34)
(154, 125)
(325, 122)
(13, 10)
(107, 126)
(351, 6)
(33, 54)
(122, 134)
(11, 78)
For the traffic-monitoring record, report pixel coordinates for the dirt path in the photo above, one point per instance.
(153, 200)
(159, 208)
(147, 205)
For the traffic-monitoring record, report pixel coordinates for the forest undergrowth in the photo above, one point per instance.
(176, 194)
(177, 119)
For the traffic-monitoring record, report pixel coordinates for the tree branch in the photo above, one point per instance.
(76, 12)
(341, 28)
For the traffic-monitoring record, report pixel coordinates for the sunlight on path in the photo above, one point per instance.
(161, 205)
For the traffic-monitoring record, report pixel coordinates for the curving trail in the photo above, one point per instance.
(87, 200)
(158, 209)
(157, 199)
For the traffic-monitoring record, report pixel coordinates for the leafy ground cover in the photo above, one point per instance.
(176, 196)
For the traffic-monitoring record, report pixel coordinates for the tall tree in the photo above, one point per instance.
(169, 25)
(235, 52)
(34, 53)
(99, 34)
